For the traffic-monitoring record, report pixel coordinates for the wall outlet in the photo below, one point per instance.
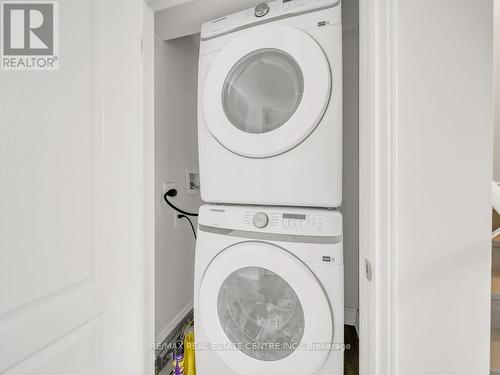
(176, 219)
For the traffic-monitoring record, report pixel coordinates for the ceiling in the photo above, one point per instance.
(177, 18)
(185, 17)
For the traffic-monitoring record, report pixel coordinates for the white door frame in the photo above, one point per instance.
(377, 168)
(149, 190)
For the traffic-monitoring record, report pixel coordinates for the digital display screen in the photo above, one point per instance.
(294, 216)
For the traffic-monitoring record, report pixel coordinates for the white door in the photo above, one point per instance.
(266, 91)
(70, 200)
(270, 309)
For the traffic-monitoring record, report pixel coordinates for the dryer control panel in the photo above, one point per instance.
(263, 12)
(277, 220)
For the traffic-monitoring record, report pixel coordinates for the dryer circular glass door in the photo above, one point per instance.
(264, 311)
(266, 91)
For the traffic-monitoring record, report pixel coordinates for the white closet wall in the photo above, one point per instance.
(176, 149)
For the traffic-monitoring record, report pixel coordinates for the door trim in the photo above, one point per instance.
(377, 191)
(148, 143)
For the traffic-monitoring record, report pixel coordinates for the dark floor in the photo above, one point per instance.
(351, 355)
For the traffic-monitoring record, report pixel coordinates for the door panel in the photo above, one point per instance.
(54, 358)
(70, 270)
(46, 164)
(49, 140)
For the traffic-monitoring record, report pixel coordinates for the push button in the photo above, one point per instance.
(261, 10)
(260, 220)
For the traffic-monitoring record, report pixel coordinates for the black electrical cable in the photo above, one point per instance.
(190, 222)
(173, 193)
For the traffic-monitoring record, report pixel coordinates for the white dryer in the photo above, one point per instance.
(270, 105)
(268, 294)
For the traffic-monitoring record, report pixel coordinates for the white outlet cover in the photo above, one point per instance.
(192, 178)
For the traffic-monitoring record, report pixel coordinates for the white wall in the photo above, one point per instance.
(176, 149)
(442, 111)
(350, 206)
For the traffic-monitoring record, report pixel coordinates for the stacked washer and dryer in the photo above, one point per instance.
(269, 283)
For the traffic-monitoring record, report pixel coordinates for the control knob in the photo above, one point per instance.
(261, 10)
(260, 220)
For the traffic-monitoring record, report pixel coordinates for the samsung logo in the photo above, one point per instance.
(217, 210)
(219, 20)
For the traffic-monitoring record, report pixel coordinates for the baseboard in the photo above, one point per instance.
(165, 332)
(351, 317)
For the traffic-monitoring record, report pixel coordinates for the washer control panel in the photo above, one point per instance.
(263, 11)
(293, 221)
(287, 221)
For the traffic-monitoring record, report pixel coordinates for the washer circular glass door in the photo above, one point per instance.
(265, 311)
(266, 91)
(261, 311)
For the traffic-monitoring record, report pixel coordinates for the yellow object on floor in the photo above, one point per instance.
(189, 360)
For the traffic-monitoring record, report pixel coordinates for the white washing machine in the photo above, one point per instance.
(268, 294)
(270, 105)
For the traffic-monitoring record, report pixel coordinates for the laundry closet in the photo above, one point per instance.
(226, 223)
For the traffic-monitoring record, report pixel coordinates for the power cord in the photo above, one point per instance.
(172, 193)
(190, 222)
(182, 214)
